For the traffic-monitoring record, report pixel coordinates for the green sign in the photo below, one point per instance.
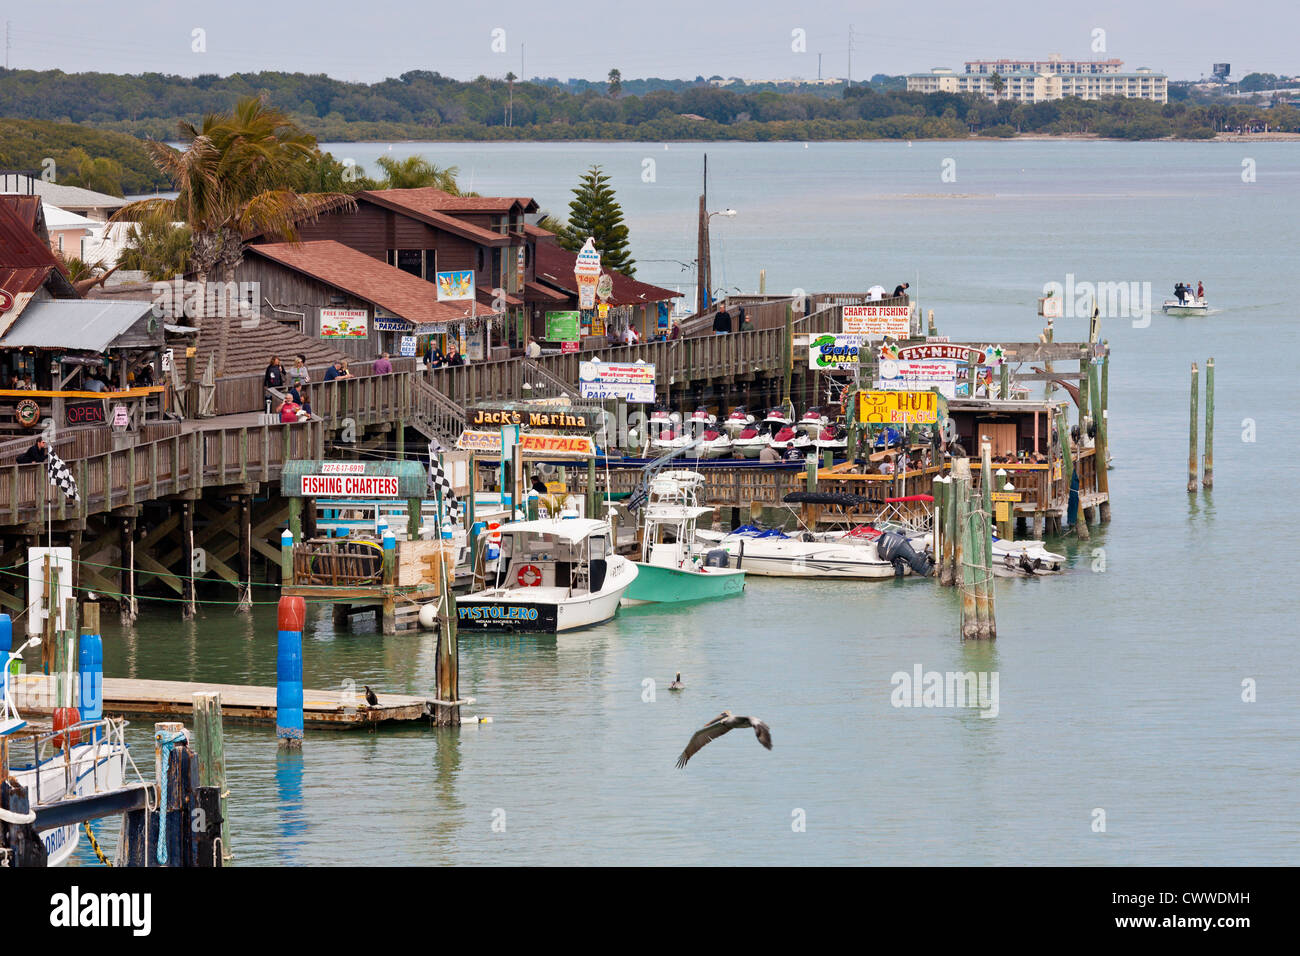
(562, 327)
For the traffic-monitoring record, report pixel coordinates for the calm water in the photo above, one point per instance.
(1118, 689)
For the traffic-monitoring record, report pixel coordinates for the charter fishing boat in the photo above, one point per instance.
(79, 759)
(552, 575)
(669, 572)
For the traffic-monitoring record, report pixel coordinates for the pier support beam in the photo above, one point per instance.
(245, 554)
(126, 604)
(188, 609)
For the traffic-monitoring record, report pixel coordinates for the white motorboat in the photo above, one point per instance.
(552, 576)
(771, 553)
(1024, 559)
(79, 760)
(1189, 306)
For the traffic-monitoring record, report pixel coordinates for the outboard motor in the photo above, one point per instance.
(894, 548)
(717, 558)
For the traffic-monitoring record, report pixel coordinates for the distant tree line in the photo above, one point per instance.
(425, 105)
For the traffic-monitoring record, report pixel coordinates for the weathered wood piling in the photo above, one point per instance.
(1207, 478)
(210, 747)
(1191, 448)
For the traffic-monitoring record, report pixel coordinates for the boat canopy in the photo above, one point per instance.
(562, 529)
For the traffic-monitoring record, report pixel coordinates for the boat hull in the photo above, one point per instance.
(544, 610)
(660, 585)
(788, 558)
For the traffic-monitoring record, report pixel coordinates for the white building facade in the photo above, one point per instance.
(1021, 84)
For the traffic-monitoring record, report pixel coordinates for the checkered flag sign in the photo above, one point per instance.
(61, 476)
(438, 480)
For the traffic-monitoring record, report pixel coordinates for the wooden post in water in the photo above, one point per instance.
(389, 611)
(982, 545)
(952, 536)
(1191, 453)
(1067, 461)
(126, 575)
(986, 495)
(447, 660)
(286, 557)
(188, 609)
(291, 615)
(964, 556)
(210, 749)
(1207, 478)
(1101, 448)
(938, 537)
(245, 554)
(787, 354)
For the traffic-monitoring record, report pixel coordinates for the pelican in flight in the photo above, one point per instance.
(723, 723)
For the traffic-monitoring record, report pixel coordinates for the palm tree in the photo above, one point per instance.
(999, 85)
(415, 172)
(157, 247)
(510, 79)
(233, 180)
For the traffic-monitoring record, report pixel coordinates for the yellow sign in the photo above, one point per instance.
(531, 443)
(898, 408)
(1001, 511)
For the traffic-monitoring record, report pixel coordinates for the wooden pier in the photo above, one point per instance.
(324, 709)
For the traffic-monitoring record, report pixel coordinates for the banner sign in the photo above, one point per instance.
(877, 320)
(830, 351)
(348, 486)
(562, 326)
(898, 408)
(917, 375)
(454, 286)
(531, 443)
(344, 323)
(601, 380)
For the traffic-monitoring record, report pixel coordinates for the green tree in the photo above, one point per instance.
(595, 212)
(999, 85)
(157, 247)
(415, 172)
(615, 83)
(102, 174)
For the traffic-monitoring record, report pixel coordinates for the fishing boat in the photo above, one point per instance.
(552, 576)
(1190, 306)
(79, 759)
(669, 572)
(773, 553)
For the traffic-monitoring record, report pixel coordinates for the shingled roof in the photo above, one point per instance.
(27, 265)
(365, 277)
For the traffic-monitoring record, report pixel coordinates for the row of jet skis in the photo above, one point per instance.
(744, 435)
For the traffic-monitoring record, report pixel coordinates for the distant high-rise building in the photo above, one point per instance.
(1221, 70)
(1037, 81)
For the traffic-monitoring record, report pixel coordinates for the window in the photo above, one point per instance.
(412, 261)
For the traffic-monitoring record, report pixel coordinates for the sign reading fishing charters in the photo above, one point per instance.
(883, 407)
(877, 320)
(531, 443)
(834, 351)
(348, 486)
(344, 323)
(917, 375)
(454, 286)
(601, 380)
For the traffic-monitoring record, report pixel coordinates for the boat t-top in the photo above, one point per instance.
(1185, 302)
(553, 575)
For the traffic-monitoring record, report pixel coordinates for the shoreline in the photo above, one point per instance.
(1019, 137)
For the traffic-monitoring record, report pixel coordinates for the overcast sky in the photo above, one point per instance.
(667, 38)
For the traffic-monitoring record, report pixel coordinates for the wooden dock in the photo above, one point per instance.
(322, 709)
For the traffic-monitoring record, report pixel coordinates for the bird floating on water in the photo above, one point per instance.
(724, 723)
(677, 683)
(371, 699)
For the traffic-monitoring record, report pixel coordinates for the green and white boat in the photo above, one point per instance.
(667, 572)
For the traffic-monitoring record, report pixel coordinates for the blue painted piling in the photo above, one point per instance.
(90, 669)
(6, 645)
(291, 614)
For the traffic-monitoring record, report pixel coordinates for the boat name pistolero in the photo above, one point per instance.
(76, 909)
(531, 419)
(497, 612)
(349, 486)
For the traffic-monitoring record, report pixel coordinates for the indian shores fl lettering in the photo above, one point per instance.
(349, 486)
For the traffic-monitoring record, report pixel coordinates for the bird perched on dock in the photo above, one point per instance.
(724, 723)
(371, 699)
(677, 683)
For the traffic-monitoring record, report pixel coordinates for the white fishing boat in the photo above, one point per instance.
(1188, 306)
(80, 760)
(772, 553)
(552, 576)
(669, 572)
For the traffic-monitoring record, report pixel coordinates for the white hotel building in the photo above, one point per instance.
(1036, 81)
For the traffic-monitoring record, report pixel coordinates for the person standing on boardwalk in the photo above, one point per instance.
(34, 455)
(299, 375)
(722, 322)
(900, 289)
(274, 376)
(382, 365)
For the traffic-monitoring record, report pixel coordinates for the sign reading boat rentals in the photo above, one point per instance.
(876, 320)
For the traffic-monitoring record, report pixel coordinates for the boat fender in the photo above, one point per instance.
(529, 576)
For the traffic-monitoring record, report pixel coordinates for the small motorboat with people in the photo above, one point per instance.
(1186, 301)
(669, 571)
(552, 576)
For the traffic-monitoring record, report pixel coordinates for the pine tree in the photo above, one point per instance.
(595, 212)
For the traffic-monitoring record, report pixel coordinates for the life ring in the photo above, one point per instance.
(28, 413)
(529, 576)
